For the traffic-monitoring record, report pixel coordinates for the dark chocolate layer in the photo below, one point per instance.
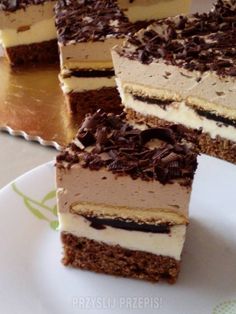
(202, 42)
(123, 149)
(201, 112)
(153, 101)
(215, 117)
(13, 5)
(101, 223)
(91, 73)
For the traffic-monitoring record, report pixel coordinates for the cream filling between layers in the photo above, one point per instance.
(178, 112)
(80, 84)
(152, 10)
(156, 243)
(88, 55)
(206, 90)
(39, 32)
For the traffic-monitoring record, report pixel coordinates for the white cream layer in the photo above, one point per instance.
(156, 243)
(41, 31)
(80, 84)
(177, 113)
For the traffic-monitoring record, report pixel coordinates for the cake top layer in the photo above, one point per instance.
(92, 20)
(106, 140)
(13, 5)
(201, 42)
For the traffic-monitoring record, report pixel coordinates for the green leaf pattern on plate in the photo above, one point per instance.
(227, 307)
(50, 195)
(41, 209)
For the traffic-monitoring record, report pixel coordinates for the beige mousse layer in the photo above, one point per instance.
(26, 17)
(174, 83)
(88, 55)
(139, 10)
(104, 194)
(35, 24)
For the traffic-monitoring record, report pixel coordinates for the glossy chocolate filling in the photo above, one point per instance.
(92, 73)
(212, 116)
(207, 114)
(102, 223)
(153, 101)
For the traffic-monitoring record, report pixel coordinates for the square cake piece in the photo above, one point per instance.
(123, 197)
(27, 31)
(87, 30)
(183, 70)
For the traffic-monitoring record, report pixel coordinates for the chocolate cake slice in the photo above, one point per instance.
(27, 31)
(123, 197)
(183, 70)
(87, 30)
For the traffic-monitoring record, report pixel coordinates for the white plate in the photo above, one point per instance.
(32, 279)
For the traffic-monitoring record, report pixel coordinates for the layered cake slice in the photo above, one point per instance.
(183, 70)
(27, 31)
(123, 197)
(87, 30)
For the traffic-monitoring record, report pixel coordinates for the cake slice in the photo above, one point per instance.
(183, 70)
(123, 197)
(87, 30)
(27, 31)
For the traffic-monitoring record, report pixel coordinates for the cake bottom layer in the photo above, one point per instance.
(99, 257)
(90, 101)
(217, 147)
(46, 51)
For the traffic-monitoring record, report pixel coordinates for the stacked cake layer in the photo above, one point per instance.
(87, 30)
(123, 197)
(183, 70)
(27, 31)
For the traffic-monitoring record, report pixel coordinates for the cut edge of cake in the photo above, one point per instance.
(122, 228)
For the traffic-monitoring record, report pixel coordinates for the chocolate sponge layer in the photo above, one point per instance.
(106, 98)
(46, 51)
(99, 257)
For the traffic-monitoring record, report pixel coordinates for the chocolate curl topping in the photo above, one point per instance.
(162, 134)
(91, 121)
(200, 42)
(92, 20)
(124, 150)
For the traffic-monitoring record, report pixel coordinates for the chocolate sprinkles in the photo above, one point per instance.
(124, 150)
(92, 20)
(201, 42)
